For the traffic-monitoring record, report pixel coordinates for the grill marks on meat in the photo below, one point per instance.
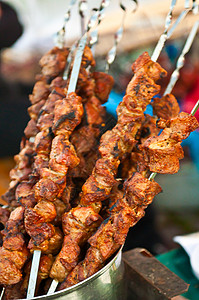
(121, 139)
(80, 222)
(54, 158)
(112, 233)
(20, 172)
(114, 145)
(162, 153)
(62, 156)
(19, 290)
(13, 253)
(78, 225)
(94, 93)
(166, 107)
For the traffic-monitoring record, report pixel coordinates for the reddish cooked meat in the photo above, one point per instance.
(121, 139)
(53, 62)
(62, 155)
(68, 113)
(166, 107)
(162, 153)
(37, 221)
(95, 113)
(31, 129)
(40, 92)
(112, 233)
(13, 253)
(78, 226)
(25, 194)
(4, 215)
(103, 85)
(34, 109)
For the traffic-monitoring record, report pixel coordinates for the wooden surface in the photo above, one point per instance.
(147, 279)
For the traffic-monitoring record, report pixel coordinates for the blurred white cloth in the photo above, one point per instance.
(41, 20)
(190, 243)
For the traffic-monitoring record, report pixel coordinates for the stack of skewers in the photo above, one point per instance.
(75, 192)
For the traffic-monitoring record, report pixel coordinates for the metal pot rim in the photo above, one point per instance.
(84, 282)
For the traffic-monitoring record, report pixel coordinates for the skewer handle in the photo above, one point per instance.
(83, 6)
(167, 34)
(117, 38)
(33, 274)
(61, 33)
(180, 61)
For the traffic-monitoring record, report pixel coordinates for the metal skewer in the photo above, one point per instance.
(181, 59)
(71, 88)
(176, 73)
(152, 176)
(33, 274)
(83, 6)
(61, 33)
(117, 38)
(195, 7)
(94, 34)
(168, 32)
(2, 292)
(93, 21)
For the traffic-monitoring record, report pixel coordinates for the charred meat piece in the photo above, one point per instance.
(112, 233)
(78, 226)
(40, 92)
(103, 85)
(162, 153)
(115, 144)
(53, 62)
(166, 107)
(13, 253)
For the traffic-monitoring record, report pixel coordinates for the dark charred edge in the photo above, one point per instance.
(69, 116)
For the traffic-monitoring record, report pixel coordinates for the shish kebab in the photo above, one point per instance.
(13, 240)
(63, 131)
(97, 77)
(139, 192)
(80, 238)
(167, 107)
(103, 2)
(103, 164)
(109, 236)
(129, 209)
(113, 146)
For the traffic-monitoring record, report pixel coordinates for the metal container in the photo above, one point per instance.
(106, 284)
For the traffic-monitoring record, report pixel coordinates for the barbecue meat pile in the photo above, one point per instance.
(65, 198)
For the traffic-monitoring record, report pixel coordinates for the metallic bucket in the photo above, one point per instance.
(106, 284)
